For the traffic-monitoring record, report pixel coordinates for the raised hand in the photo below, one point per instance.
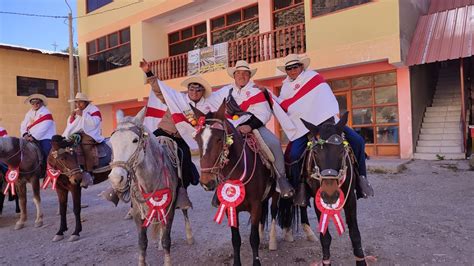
(144, 65)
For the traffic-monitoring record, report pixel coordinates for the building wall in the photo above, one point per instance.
(15, 63)
(410, 11)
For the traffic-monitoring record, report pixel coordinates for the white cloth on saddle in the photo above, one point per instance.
(89, 122)
(39, 124)
(155, 110)
(263, 146)
(3, 132)
(308, 97)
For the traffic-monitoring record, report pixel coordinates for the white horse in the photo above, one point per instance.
(144, 170)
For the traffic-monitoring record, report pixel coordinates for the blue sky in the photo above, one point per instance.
(36, 32)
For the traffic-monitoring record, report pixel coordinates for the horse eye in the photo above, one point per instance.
(135, 140)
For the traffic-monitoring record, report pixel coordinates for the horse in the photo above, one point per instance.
(26, 156)
(63, 160)
(145, 171)
(225, 155)
(329, 171)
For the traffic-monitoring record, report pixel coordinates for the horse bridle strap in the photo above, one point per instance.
(330, 173)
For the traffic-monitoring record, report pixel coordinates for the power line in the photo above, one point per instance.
(31, 15)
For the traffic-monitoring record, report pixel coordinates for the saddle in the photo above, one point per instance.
(262, 149)
(95, 157)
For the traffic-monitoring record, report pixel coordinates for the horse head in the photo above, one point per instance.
(328, 156)
(214, 135)
(128, 147)
(63, 157)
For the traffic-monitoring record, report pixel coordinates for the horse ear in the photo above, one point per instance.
(342, 122)
(196, 112)
(221, 111)
(138, 119)
(312, 128)
(119, 115)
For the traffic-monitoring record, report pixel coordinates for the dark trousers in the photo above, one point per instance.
(189, 172)
(45, 147)
(358, 146)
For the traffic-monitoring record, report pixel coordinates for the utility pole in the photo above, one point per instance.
(71, 63)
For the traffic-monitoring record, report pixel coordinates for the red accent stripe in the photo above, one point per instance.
(97, 113)
(3, 133)
(153, 112)
(257, 98)
(178, 118)
(309, 86)
(39, 120)
(71, 119)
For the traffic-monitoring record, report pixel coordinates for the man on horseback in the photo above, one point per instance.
(164, 123)
(38, 126)
(84, 126)
(302, 97)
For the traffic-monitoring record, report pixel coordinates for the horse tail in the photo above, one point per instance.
(286, 213)
(264, 216)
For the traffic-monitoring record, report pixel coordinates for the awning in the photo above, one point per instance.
(443, 36)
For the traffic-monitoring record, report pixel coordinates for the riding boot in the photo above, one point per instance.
(285, 188)
(300, 198)
(215, 201)
(87, 180)
(110, 195)
(183, 202)
(364, 189)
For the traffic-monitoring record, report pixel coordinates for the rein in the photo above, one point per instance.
(68, 172)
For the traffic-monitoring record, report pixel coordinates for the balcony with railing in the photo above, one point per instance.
(256, 48)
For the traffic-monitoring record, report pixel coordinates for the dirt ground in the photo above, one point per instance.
(422, 216)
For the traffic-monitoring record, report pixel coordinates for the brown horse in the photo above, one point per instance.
(63, 157)
(227, 157)
(26, 156)
(329, 172)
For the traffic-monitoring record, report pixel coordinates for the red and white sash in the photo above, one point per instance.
(155, 110)
(89, 122)
(51, 177)
(158, 203)
(230, 194)
(3, 132)
(39, 124)
(330, 213)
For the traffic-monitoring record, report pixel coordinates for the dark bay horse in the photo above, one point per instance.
(227, 158)
(63, 158)
(144, 171)
(26, 156)
(329, 171)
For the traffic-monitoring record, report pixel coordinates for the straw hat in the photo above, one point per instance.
(199, 80)
(292, 59)
(80, 97)
(37, 96)
(241, 65)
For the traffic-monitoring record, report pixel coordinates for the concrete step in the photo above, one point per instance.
(452, 101)
(433, 156)
(441, 130)
(440, 125)
(437, 143)
(450, 149)
(444, 108)
(442, 104)
(442, 119)
(444, 136)
(442, 113)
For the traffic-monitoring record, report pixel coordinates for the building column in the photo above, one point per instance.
(404, 113)
(265, 15)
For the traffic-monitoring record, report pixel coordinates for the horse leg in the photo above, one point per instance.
(310, 236)
(187, 225)
(2, 199)
(285, 213)
(272, 245)
(76, 203)
(325, 242)
(254, 237)
(263, 220)
(22, 196)
(62, 198)
(236, 242)
(166, 240)
(37, 200)
(350, 209)
(142, 239)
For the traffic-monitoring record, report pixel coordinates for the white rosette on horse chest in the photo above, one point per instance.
(51, 177)
(230, 194)
(328, 212)
(158, 203)
(11, 177)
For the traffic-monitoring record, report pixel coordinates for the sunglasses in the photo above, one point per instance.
(33, 102)
(195, 88)
(295, 66)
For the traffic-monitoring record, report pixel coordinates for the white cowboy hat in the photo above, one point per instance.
(241, 65)
(292, 59)
(37, 96)
(199, 80)
(80, 97)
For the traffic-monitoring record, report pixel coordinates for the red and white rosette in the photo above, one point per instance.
(11, 177)
(231, 194)
(157, 203)
(51, 177)
(332, 211)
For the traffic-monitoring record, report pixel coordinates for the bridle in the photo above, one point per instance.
(69, 172)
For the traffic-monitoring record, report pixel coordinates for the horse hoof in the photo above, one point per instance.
(128, 216)
(73, 238)
(57, 238)
(160, 247)
(19, 226)
(289, 235)
(272, 245)
(190, 241)
(167, 261)
(38, 224)
(310, 236)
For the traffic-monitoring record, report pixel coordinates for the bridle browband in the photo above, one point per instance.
(68, 172)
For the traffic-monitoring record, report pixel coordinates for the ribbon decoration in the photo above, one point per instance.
(157, 203)
(11, 176)
(330, 212)
(200, 123)
(51, 177)
(230, 194)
